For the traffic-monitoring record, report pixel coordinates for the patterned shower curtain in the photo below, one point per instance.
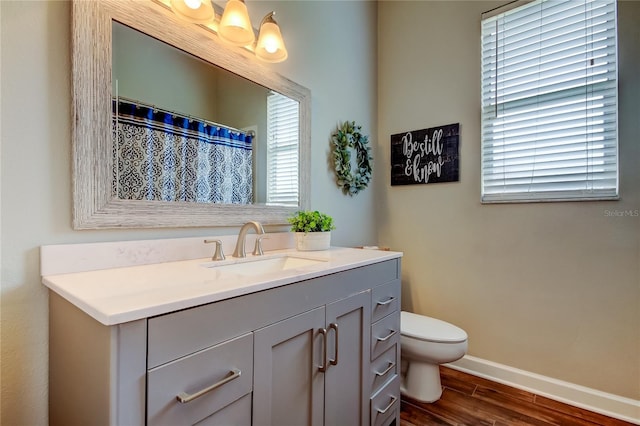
(163, 156)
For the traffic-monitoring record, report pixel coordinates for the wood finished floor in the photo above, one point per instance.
(472, 401)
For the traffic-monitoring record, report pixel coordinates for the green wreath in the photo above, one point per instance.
(346, 137)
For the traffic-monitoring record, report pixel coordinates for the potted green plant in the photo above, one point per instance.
(312, 230)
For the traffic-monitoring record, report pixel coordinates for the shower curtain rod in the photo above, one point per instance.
(188, 117)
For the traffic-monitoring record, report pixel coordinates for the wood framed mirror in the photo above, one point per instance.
(96, 203)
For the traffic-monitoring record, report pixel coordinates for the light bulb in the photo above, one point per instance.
(271, 45)
(195, 11)
(235, 20)
(193, 4)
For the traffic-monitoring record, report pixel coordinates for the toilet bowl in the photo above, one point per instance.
(426, 343)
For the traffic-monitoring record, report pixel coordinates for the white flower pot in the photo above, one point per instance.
(311, 241)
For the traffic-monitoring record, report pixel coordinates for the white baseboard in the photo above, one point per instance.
(579, 396)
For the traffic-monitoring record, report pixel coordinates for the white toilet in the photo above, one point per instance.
(425, 344)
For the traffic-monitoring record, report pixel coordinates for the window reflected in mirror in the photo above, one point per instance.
(282, 150)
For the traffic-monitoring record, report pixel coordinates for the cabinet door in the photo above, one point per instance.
(346, 379)
(288, 385)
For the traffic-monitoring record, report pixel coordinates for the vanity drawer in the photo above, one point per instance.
(384, 368)
(228, 365)
(386, 403)
(384, 300)
(238, 413)
(384, 334)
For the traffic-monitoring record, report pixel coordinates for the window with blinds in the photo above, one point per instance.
(549, 101)
(282, 150)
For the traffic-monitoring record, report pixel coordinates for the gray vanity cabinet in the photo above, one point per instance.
(309, 369)
(322, 351)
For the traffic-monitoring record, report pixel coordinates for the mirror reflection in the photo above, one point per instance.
(186, 130)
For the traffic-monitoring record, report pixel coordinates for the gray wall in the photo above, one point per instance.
(147, 70)
(36, 158)
(549, 288)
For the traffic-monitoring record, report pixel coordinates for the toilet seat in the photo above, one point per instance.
(430, 329)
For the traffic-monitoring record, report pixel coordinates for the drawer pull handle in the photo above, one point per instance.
(184, 397)
(323, 367)
(393, 401)
(386, 370)
(386, 302)
(387, 337)
(334, 326)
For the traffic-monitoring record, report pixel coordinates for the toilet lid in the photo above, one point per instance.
(430, 329)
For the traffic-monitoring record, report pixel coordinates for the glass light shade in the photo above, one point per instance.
(235, 25)
(270, 46)
(195, 11)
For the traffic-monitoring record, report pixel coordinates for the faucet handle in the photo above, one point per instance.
(219, 254)
(257, 251)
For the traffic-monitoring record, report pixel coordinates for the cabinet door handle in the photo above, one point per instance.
(387, 337)
(323, 367)
(386, 370)
(386, 302)
(393, 401)
(184, 397)
(334, 326)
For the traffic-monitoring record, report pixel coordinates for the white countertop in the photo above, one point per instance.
(117, 295)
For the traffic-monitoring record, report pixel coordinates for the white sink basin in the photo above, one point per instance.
(265, 266)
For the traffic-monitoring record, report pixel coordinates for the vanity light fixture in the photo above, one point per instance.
(234, 26)
(195, 11)
(270, 46)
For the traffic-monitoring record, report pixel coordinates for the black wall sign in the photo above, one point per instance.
(426, 156)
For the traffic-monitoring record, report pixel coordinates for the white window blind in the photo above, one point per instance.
(549, 102)
(282, 150)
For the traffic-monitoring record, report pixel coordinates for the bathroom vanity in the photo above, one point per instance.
(298, 338)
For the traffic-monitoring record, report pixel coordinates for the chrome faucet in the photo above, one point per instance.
(240, 251)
